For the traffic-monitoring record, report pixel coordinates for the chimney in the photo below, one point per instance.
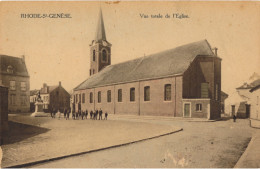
(215, 51)
(60, 83)
(23, 58)
(45, 87)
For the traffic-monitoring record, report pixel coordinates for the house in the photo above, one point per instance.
(255, 106)
(52, 96)
(14, 75)
(238, 102)
(181, 82)
(3, 113)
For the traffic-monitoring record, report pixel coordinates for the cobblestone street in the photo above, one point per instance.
(34, 139)
(200, 144)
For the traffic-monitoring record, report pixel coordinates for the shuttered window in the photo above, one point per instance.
(204, 90)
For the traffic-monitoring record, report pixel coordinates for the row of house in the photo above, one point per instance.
(53, 97)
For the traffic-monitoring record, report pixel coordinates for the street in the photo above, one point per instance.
(200, 144)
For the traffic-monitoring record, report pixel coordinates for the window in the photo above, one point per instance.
(83, 98)
(216, 92)
(147, 93)
(104, 55)
(167, 92)
(91, 97)
(23, 100)
(12, 85)
(23, 86)
(198, 107)
(76, 98)
(94, 55)
(10, 69)
(89, 71)
(99, 97)
(109, 96)
(204, 90)
(119, 95)
(79, 98)
(12, 99)
(132, 94)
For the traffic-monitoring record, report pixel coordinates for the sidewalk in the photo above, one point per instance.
(251, 157)
(65, 138)
(119, 116)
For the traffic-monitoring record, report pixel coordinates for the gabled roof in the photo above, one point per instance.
(170, 62)
(17, 64)
(251, 85)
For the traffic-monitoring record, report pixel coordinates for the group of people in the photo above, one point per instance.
(96, 115)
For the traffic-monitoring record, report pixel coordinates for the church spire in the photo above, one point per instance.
(100, 34)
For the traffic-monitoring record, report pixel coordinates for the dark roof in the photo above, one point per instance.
(255, 88)
(33, 92)
(224, 94)
(49, 89)
(167, 63)
(18, 65)
(251, 85)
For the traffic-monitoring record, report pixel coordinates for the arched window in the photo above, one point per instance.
(109, 96)
(147, 93)
(91, 97)
(104, 55)
(99, 97)
(167, 92)
(94, 55)
(132, 94)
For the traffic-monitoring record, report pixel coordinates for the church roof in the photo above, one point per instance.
(100, 34)
(15, 64)
(167, 63)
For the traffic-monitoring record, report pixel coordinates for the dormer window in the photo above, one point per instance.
(10, 69)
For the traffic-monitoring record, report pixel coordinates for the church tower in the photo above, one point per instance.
(100, 48)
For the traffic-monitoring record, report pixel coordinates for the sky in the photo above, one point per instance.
(57, 49)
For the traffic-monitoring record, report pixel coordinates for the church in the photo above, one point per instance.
(181, 82)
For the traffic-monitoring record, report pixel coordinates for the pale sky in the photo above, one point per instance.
(57, 49)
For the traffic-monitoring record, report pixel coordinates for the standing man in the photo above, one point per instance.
(96, 114)
(234, 118)
(91, 114)
(86, 114)
(106, 116)
(100, 114)
(65, 112)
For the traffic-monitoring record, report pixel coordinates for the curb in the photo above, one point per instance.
(86, 152)
(243, 156)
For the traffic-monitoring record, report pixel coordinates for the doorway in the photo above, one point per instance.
(187, 110)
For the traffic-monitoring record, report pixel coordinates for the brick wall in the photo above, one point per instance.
(205, 107)
(156, 106)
